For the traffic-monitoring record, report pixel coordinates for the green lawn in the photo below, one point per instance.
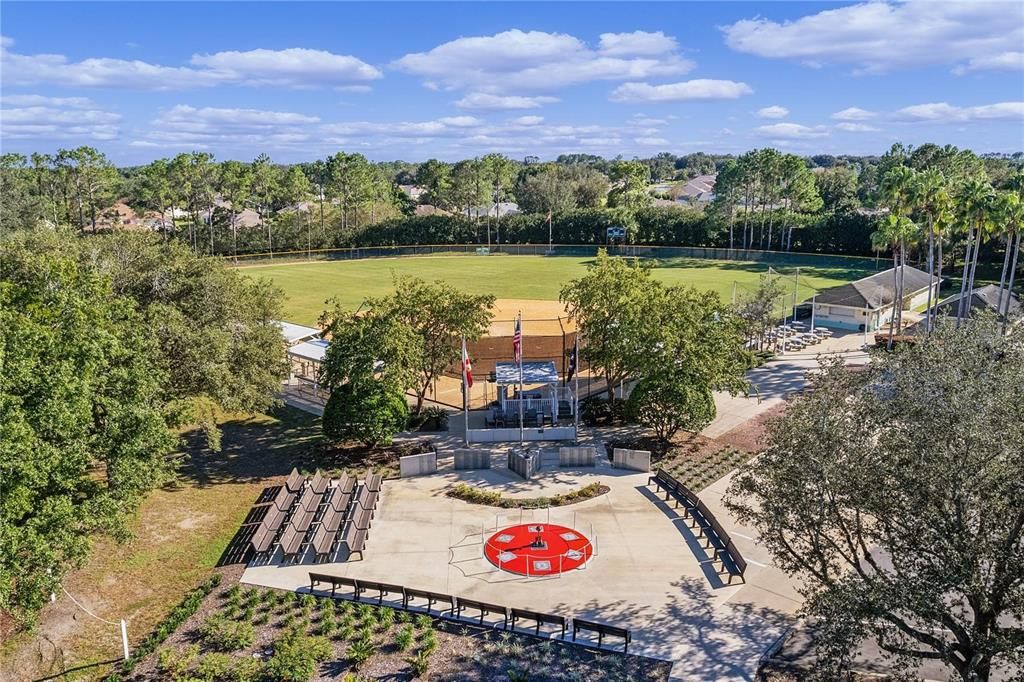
(308, 285)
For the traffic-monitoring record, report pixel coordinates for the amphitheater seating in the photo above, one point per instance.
(346, 483)
(318, 515)
(278, 510)
(381, 589)
(373, 481)
(284, 498)
(354, 539)
(431, 598)
(295, 481)
(319, 483)
(335, 581)
(714, 534)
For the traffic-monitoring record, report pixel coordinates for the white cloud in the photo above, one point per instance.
(515, 62)
(881, 36)
(42, 100)
(773, 112)
(482, 101)
(187, 127)
(652, 141)
(694, 90)
(791, 131)
(1010, 60)
(55, 118)
(853, 114)
(641, 120)
(184, 114)
(527, 120)
(943, 112)
(637, 43)
(294, 67)
(857, 128)
(460, 121)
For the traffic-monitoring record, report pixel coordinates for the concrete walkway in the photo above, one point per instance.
(774, 381)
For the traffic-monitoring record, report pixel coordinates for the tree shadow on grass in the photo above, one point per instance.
(253, 449)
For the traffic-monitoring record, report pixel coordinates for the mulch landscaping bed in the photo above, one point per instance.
(454, 651)
(693, 459)
(356, 458)
(467, 493)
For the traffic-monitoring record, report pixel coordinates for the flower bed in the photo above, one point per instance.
(468, 493)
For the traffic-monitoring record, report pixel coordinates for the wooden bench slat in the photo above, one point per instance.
(295, 481)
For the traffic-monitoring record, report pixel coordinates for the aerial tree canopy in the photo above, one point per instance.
(439, 315)
(109, 345)
(895, 495)
(82, 424)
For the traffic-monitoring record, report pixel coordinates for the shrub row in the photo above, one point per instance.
(188, 606)
(467, 493)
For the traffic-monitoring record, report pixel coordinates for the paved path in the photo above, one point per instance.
(776, 380)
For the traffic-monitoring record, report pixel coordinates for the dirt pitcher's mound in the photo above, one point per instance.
(539, 317)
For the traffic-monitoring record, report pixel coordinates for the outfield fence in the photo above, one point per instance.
(774, 258)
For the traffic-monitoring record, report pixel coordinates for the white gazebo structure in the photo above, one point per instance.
(542, 397)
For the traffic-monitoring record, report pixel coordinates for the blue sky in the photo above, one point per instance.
(453, 80)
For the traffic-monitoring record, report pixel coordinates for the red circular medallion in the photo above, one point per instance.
(538, 549)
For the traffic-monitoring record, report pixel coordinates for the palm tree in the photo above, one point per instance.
(1010, 214)
(973, 204)
(896, 189)
(928, 194)
(897, 192)
(895, 233)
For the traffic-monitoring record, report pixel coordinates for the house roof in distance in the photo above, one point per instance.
(875, 291)
(507, 373)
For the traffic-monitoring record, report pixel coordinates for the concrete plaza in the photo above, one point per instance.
(650, 572)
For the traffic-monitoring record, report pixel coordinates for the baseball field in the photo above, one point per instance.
(308, 285)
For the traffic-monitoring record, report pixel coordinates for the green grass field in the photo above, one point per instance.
(308, 285)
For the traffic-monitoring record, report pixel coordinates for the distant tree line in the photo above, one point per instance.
(763, 199)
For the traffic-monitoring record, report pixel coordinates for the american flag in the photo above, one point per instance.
(517, 340)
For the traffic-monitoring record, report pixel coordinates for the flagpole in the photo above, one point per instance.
(465, 389)
(522, 348)
(576, 389)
